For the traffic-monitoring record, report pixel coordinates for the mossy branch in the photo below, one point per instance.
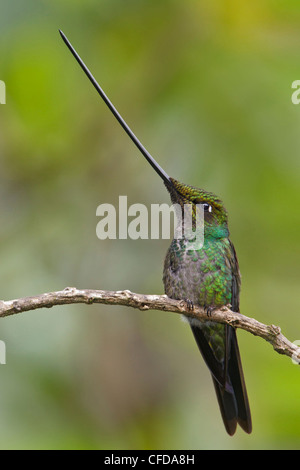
(71, 295)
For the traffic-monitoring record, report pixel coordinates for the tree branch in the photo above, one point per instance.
(71, 295)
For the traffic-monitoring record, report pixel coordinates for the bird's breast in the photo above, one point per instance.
(202, 276)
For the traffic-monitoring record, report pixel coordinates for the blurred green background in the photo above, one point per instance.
(207, 88)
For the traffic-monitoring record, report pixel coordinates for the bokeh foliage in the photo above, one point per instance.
(207, 88)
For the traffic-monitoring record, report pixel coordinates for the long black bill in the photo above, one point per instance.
(127, 129)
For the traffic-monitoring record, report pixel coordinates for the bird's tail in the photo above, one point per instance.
(228, 379)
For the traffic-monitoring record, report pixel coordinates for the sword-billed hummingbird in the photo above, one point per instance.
(207, 276)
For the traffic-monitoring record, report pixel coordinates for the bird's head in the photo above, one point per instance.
(215, 214)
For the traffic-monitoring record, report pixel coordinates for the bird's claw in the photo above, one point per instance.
(209, 311)
(190, 305)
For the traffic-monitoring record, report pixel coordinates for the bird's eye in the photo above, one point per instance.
(207, 207)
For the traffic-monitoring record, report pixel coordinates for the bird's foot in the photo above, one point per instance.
(189, 304)
(209, 310)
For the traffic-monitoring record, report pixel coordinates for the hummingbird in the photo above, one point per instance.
(207, 275)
